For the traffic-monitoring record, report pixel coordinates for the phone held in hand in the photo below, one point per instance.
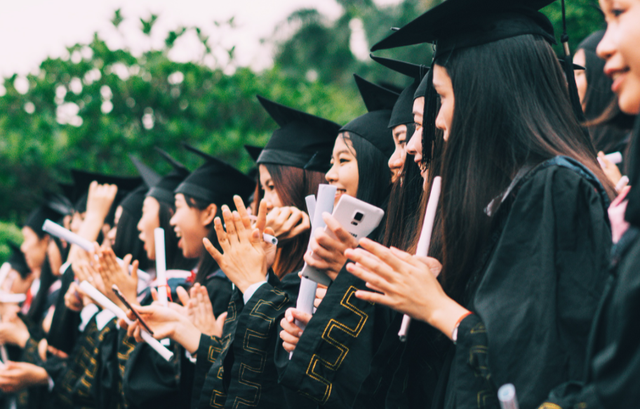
(358, 218)
(121, 297)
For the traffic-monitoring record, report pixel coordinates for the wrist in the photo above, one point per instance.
(187, 335)
(447, 317)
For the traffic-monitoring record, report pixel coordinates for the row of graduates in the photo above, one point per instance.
(522, 284)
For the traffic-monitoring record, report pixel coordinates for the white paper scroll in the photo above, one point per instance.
(106, 303)
(425, 240)
(161, 266)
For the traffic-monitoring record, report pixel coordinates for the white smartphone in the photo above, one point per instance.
(356, 217)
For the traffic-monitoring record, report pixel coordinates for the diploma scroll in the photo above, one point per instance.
(106, 303)
(507, 397)
(425, 240)
(161, 266)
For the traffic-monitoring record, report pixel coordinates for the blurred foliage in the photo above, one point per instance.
(96, 105)
(8, 233)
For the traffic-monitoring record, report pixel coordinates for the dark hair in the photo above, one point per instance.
(175, 258)
(39, 305)
(206, 264)
(609, 127)
(292, 185)
(511, 108)
(403, 211)
(374, 188)
(127, 240)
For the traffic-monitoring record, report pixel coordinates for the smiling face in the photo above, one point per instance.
(619, 48)
(191, 226)
(149, 221)
(414, 146)
(443, 86)
(270, 193)
(344, 168)
(396, 161)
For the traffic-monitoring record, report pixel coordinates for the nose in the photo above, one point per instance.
(332, 174)
(416, 138)
(606, 47)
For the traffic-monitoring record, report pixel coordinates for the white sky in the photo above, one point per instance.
(31, 30)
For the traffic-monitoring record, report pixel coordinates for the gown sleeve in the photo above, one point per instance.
(537, 296)
(334, 353)
(614, 353)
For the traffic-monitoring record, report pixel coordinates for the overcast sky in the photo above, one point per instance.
(30, 30)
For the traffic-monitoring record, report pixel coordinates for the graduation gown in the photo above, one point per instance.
(148, 380)
(334, 353)
(536, 291)
(241, 371)
(613, 370)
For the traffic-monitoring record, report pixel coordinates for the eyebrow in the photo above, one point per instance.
(342, 151)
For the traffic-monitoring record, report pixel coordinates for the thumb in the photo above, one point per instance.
(134, 270)
(183, 295)
(221, 319)
(154, 294)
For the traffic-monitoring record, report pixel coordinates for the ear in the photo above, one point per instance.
(207, 215)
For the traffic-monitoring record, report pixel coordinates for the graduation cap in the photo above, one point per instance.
(162, 190)
(132, 202)
(36, 218)
(402, 113)
(17, 261)
(374, 125)
(82, 179)
(253, 151)
(303, 140)
(215, 181)
(149, 176)
(457, 24)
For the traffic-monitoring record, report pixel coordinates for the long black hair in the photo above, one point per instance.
(206, 264)
(511, 109)
(127, 240)
(374, 175)
(403, 211)
(174, 257)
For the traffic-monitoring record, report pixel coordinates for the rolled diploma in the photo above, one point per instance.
(507, 396)
(161, 266)
(307, 292)
(425, 240)
(70, 237)
(106, 303)
(615, 157)
(311, 207)
(4, 272)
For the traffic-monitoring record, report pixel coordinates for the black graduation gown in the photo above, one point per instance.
(333, 356)
(613, 368)
(64, 325)
(151, 381)
(537, 292)
(241, 368)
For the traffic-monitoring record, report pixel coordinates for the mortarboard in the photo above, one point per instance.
(374, 125)
(82, 179)
(215, 181)
(402, 113)
(303, 140)
(253, 151)
(163, 189)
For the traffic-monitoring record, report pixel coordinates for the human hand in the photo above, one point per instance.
(288, 222)
(291, 333)
(404, 283)
(111, 272)
(201, 312)
(243, 259)
(321, 291)
(100, 199)
(327, 252)
(16, 376)
(610, 169)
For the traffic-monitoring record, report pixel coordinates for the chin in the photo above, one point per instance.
(630, 105)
